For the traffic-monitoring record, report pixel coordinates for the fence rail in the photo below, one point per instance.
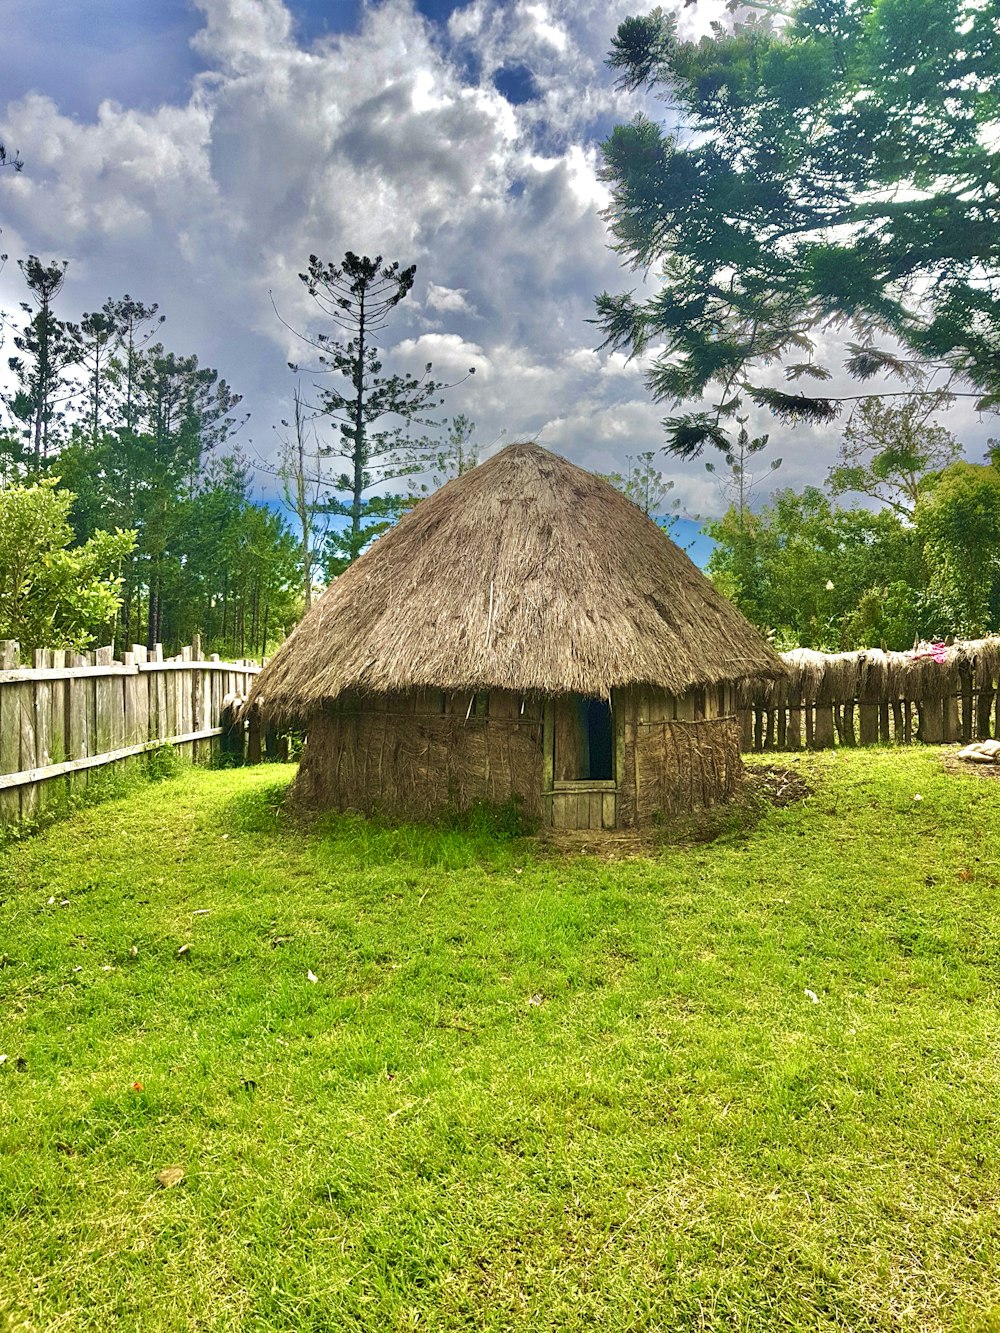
(934, 695)
(65, 715)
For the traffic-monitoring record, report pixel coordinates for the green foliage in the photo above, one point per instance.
(892, 454)
(456, 456)
(53, 595)
(525, 1091)
(645, 485)
(959, 522)
(47, 348)
(492, 819)
(837, 165)
(162, 763)
(817, 576)
(374, 412)
(740, 481)
(135, 432)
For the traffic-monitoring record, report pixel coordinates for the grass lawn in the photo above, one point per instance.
(519, 1090)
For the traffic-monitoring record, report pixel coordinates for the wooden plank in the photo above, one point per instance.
(174, 665)
(182, 685)
(968, 720)
(568, 757)
(57, 716)
(10, 752)
(10, 731)
(152, 705)
(931, 716)
(793, 732)
(548, 758)
(27, 760)
(595, 811)
(951, 723)
(884, 728)
(771, 729)
(609, 810)
(897, 722)
(868, 714)
(618, 731)
(254, 738)
(133, 728)
(119, 730)
(42, 691)
(76, 728)
(30, 776)
(746, 728)
(103, 706)
(197, 707)
(162, 718)
(823, 730)
(169, 720)
(984, 711)
(65, 673)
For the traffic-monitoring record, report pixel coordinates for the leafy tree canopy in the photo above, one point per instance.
(380, 417)
(646, 486)
(53, 595)
(836, 163)
(818, 576)
(892, 454)
(959, 523)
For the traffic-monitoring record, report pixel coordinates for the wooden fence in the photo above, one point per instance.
(67, 714)
(934, 695)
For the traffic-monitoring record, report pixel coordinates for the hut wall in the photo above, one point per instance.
(676, 754)
(415, 753)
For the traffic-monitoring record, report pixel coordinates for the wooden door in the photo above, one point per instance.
(580, 749)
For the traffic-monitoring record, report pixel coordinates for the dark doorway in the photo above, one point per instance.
(584, 740)
(596, 718)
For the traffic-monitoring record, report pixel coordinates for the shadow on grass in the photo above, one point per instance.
(496, 836)
(116, 782)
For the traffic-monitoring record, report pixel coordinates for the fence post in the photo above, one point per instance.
(254, 739)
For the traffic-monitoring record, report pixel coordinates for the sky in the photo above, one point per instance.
(196, 152)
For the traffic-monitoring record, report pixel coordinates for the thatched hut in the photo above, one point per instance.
(524, 633)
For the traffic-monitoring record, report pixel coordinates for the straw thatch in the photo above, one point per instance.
(526, 574)
(872, 676)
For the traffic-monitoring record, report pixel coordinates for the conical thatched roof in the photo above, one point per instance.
(526, 574)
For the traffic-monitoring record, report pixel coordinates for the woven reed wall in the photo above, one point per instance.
(415, 753)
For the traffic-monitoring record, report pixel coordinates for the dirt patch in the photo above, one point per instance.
(609, 846)
(776, 785)
(952, 764)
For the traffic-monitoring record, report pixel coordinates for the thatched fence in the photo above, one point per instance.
(65, 715)
(935, 694)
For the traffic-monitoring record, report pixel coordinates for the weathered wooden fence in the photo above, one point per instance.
(934, 695)
(67, 714)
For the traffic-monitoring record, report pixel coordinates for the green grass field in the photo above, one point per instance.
(524, 1091)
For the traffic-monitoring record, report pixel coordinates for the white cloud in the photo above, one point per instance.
(390, 140)
(453, 300)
